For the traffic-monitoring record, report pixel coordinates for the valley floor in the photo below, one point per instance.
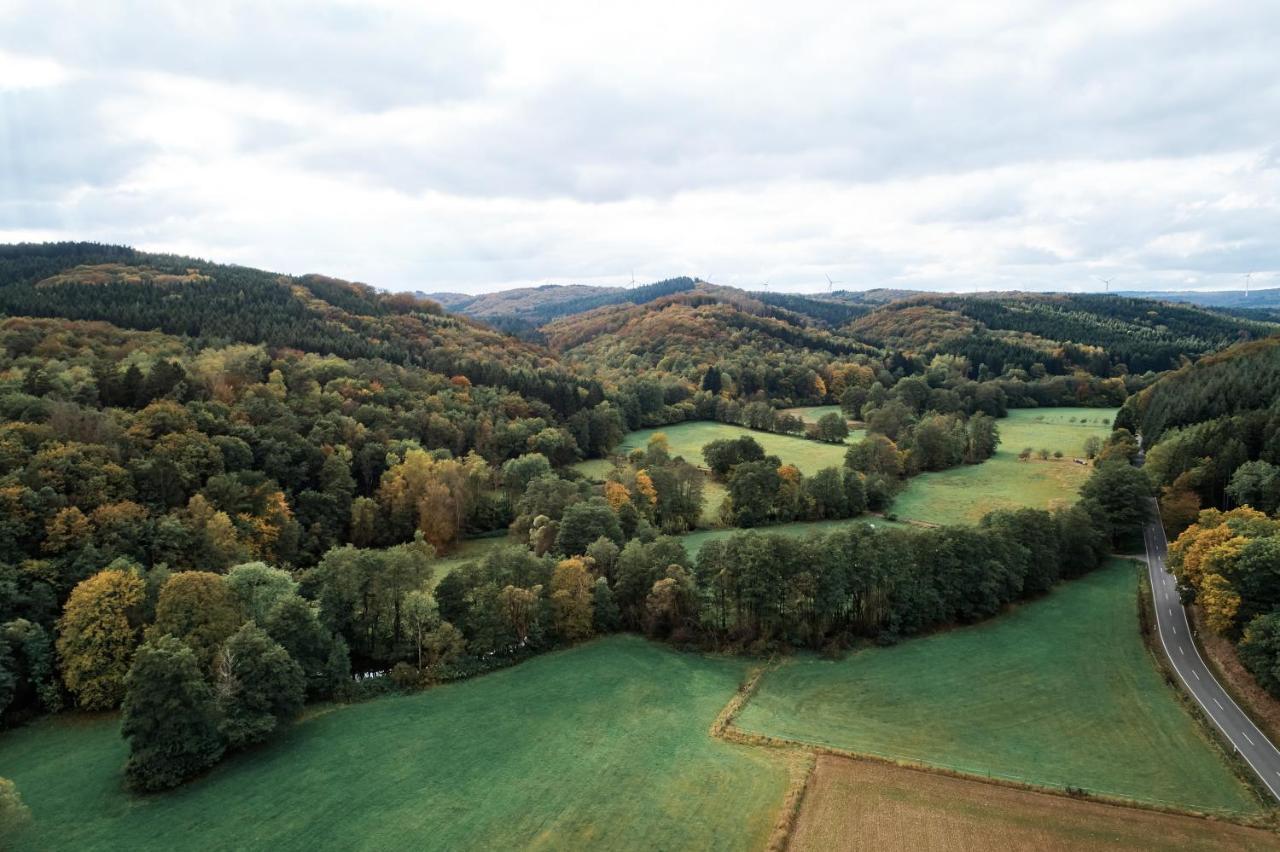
(606, 746)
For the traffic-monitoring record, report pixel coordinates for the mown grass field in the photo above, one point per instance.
(1058, 692)
(603, 746)
(855, 804)
(962, 495)
(688, 439)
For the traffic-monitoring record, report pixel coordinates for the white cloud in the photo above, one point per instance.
(945, 145)
(18, 72)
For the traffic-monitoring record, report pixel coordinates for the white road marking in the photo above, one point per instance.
(1155, 562)
(1246, 736)
(1175, 629)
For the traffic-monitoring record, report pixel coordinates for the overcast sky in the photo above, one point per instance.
(926, 145)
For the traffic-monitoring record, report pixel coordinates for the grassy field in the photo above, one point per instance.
(596, 470)
(854, 804)
(962, 495)
(811, 413)
(468, 550)
(603, 746)
(688, 439)
(693, 541)
(1059, 692)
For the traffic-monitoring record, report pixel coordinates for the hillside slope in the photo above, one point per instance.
(309, 313)
(1059, 331)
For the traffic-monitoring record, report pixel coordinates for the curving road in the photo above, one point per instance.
(1175, 635)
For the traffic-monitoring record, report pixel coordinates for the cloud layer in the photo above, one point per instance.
(926, 145)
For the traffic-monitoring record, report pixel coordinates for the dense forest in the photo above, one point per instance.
(1212, 431)
(225, 490)
(311, 313)
(1061, 332)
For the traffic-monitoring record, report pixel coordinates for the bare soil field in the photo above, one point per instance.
(854, 804)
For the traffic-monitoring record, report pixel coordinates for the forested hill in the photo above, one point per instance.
(309, 313)
(1212, 431)
(1058, 331)
(1237, 381)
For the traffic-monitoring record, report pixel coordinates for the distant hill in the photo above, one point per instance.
(1263, 300)
(541, 300)
(523, 310)
(1056, 330)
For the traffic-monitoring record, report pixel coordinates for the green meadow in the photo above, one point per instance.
(1058, 692)
(962, 495)
(602, 746)
(687, 439)
(812, 413)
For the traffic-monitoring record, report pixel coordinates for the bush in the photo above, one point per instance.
(405, 676)
(14, 815)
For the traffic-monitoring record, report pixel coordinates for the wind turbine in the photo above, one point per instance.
(766, 285)
(1106, 281)
(1248, 276)
(830, 283)
(633, 280)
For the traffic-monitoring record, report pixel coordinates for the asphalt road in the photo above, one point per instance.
(1175, 635)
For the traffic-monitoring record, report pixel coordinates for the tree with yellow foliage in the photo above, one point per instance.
(432, 495)
(99, 630)
(572, 590)
(199, 608)
(646, 491)
(1226, 559)
(1220, 602)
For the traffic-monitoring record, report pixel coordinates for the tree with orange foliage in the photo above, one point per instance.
(617, 494)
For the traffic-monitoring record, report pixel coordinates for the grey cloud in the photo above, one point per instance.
(931, 110)
(51, 140)
(363, 57)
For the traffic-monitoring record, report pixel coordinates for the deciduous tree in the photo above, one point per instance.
(97, 635)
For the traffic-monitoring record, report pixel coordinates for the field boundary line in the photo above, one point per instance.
(789, 816)
(734, 734)
(724, 719)
(801, 766)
